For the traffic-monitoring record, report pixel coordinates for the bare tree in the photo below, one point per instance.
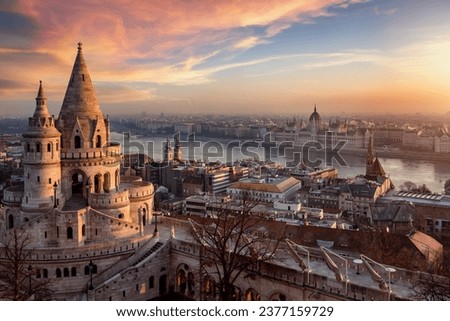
(18, 281)
(431, 287)
(234, 241)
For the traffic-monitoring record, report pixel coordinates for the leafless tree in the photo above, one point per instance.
(18, 281)
(431, 287)
(234, 242)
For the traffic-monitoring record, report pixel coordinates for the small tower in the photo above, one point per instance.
(42, 171)
(177, 155)
(168, 152)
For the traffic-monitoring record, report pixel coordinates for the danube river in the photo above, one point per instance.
(431, 173)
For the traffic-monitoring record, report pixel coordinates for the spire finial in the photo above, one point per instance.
(40, 94)
(80, 46)
(315, 109)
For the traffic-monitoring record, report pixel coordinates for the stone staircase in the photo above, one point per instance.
(148, 253)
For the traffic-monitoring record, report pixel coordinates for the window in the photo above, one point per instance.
(69, 233)
(77, 141)
(38, 147)
(98, 142)
(58, 273)
(49, 147)
(38, 179)
(83, 230)
(49, 180)
(73, 271)
(45, 273)
(66, 272)
(151, 282)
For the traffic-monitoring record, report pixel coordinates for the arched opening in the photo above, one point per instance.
(151, 282)
(77, 183)
(49, 147)
(144, 217)
(69, 233)
(191, 283)
(66, 272)
(162, 284)
(98, 141)
(77, 141)
(252, 295)
(10, 221)
(116, 179)
(181, 281)
(73, 271)
(106, 182)
(83, 230)
(97, 186)
(209, 287)
(38, 148)
(58, 273)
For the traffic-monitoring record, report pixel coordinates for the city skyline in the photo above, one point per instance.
(201, 57)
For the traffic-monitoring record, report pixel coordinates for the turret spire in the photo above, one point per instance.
(41, 105)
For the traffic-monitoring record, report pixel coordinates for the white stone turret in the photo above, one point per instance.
(41, 160)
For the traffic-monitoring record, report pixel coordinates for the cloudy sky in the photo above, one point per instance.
(246, 56)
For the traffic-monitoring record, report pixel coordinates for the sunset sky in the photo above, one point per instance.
(224, 56)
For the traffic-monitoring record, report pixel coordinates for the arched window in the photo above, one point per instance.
(58, 273)
(66, 272)
(38, 147)
(38, 274)
(83, 230)
(86, 270)
(28, 147)
(98, 141)
(77, 141)
(69, 233)
(73, 271)
(106, 182)
(151, 282)
(181, 281)
(190, 283)
(49, 147)
(44, 273)
(162, 284)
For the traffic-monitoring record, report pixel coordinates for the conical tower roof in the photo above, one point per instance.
(80, 106)
(41, 124)
(80, 97)
(41, 103)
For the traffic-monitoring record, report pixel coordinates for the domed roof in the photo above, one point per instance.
(315, 117)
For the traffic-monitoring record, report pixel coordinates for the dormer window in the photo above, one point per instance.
(77, 141)
(98, 141)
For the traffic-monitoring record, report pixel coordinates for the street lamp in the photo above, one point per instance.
(91, 270)
(29, 268)
(55, 186)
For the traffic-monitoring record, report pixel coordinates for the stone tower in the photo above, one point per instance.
(168, 152)
(177, 155)
(90, 163)
(42, 172)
